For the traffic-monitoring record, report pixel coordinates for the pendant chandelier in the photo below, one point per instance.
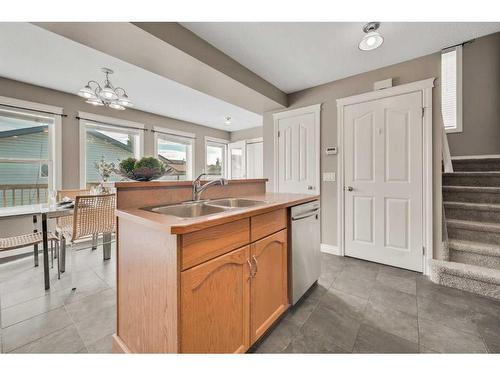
(106, 95)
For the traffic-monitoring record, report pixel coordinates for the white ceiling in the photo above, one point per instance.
(295, 56)
(37, 56)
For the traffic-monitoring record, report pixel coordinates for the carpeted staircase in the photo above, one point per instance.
(471, 196)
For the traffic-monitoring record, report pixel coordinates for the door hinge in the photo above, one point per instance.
(423, 250)
(279, 134)
(423, 112)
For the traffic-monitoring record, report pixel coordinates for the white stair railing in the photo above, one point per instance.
(448, 166)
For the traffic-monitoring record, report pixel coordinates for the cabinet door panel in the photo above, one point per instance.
(215, 305)
(268, 290)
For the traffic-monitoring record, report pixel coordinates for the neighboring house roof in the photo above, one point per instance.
(23, 131)
(113, 141)
(39, 129)
(174, 166)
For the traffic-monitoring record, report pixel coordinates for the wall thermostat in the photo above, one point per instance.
(332, 150)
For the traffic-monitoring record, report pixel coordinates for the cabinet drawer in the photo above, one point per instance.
(198, 247)
(268, 223)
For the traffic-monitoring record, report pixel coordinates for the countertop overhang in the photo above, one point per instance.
(176, 225)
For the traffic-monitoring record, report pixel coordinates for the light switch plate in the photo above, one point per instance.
(329, 176)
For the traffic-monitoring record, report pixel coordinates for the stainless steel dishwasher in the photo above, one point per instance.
(305, 256)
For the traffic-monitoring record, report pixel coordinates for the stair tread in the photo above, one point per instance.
(480, 226)
(473, 206)
(474, 247)
(473, 189)
(470, 271)
(472, 174)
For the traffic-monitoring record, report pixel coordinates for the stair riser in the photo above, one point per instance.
(470, 285)
(476, 165)
(474, 215)
(473, 235)
(471, 181)
(472, 197)
(475, 259)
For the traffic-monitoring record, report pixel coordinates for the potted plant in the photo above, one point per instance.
(146, 169)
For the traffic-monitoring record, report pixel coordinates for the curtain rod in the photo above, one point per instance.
(107, 123)
(459, 44)
(173, 134)
(34, 110)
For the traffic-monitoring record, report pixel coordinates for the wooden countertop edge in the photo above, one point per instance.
(211, 221)
(156, 184)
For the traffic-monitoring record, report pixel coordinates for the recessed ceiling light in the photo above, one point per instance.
(227, 120)
(372, 39)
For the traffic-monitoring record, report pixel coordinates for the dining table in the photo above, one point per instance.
(44, 212)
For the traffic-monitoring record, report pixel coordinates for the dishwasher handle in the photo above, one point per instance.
(306, 215)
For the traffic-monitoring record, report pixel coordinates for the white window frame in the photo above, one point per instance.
(93, 121)
(55, 134)
(211, 141)
(178, 137)
(458, 128)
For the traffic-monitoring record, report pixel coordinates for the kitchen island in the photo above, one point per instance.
(207, 284)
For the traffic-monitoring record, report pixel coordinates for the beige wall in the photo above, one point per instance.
(481, 99)
(414, 70)
(70, 135)
(244, 134)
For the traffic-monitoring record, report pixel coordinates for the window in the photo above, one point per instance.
(108, 142)
(215, 158)
(176, 152)
(27, 155)
(451, 89)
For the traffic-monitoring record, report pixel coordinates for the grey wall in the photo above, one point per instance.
(414, 70)
(246, 134)
(70, 135)
(481, 99)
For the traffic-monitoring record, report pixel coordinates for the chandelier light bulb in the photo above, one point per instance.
(105, 95)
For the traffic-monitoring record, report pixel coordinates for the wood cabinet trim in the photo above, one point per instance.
(268, 223)
(257, 249)
(201, 246)
(191, 281)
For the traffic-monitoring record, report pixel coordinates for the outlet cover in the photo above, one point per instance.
(329, 176)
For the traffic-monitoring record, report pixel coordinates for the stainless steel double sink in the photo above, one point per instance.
(194, 209)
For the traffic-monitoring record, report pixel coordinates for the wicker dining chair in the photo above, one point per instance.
(93, 214)
(32, 239)
(67, 221)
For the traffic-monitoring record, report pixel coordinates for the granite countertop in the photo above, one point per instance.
(176, 225)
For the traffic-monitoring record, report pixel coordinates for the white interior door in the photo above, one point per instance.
(298, 154)
(255, 159)
(383, 181)
(237, 160)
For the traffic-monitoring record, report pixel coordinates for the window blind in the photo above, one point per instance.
(449, 88)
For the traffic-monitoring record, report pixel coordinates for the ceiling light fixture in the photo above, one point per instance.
(109, 95)
(372, 39)
(227, 120)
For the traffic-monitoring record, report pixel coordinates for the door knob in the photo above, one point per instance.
(349, 188)
(310, 187)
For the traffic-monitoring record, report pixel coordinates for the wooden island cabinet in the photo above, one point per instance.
(199, 286)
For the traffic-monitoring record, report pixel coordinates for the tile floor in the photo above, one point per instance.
(60, 320)
(357, 306)
(363, 307)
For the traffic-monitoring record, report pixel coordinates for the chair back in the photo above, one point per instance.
(94, 214)
(67, 221)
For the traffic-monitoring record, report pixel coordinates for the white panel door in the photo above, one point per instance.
(255, 160)
(297, 155)
(383, 181)
(237, 160)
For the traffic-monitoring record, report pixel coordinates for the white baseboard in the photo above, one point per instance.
(330, 249)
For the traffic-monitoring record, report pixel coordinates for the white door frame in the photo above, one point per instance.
(314, 109)
(425, 87)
